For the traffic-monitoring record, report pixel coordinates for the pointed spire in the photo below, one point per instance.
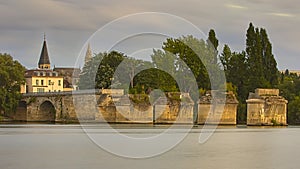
(44, 62)
(88, 54)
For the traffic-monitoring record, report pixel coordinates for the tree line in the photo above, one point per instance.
(254, 67)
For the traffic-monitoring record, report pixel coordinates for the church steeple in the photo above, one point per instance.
(44, 62)
(88, 54)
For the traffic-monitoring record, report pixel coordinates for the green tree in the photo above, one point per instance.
(237, 74)
(212, 39)
(11, 78)
(294, 111)
(235, 67)
(254, 59)
(197, 55)
(262, 66)
(99, 71)
(213, 43)
(225, 58)
(153, 78)
(270, 65)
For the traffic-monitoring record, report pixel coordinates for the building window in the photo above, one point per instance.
(40, 90)
(59, 82)
(37, 82)
(42, 82)
(49, 82)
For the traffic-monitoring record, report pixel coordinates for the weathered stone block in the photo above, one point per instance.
(221, 112)
(174, 109)
(266, 108)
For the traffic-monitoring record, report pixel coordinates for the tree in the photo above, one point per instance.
(262, 66)
(237, 74)
(294, 111)
(225, 58)
(269, 62)
(99, 71)
(212, 39)
(196, 54)
(213, 43)
(235, 67)
(11, 78)
(154, 78)
(254, 58)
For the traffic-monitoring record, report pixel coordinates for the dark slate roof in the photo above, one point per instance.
(68, 71)
(41, 72)
(44, 58)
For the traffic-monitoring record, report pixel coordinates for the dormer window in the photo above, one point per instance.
(55, 74)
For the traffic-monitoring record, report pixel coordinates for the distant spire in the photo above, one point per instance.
(44, 62)
(88, 54)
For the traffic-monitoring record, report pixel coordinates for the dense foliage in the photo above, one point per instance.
(289, 86)
(11, 78)
(99, 71)
(254, 67)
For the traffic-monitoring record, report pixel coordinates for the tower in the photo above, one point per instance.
(44, 62)
(88, 54)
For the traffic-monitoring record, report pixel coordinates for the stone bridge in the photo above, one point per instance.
(52, 107)
(98, 107)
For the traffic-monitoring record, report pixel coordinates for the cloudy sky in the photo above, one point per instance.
(70, 23)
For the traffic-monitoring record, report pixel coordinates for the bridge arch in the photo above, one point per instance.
(46, 112)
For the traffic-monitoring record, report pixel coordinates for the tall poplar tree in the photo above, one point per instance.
(269, 62)
(256, 77)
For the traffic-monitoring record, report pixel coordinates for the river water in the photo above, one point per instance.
(32, 146)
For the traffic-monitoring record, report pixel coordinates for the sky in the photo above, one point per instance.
(69, 24)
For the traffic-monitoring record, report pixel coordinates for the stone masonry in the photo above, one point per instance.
(266, 107)
(115, 107)
(218, 110)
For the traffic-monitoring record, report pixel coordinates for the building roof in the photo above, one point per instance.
(44, 58)
(41, 72)
(66, 71)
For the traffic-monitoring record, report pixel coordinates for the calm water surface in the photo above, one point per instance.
(68, 147)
